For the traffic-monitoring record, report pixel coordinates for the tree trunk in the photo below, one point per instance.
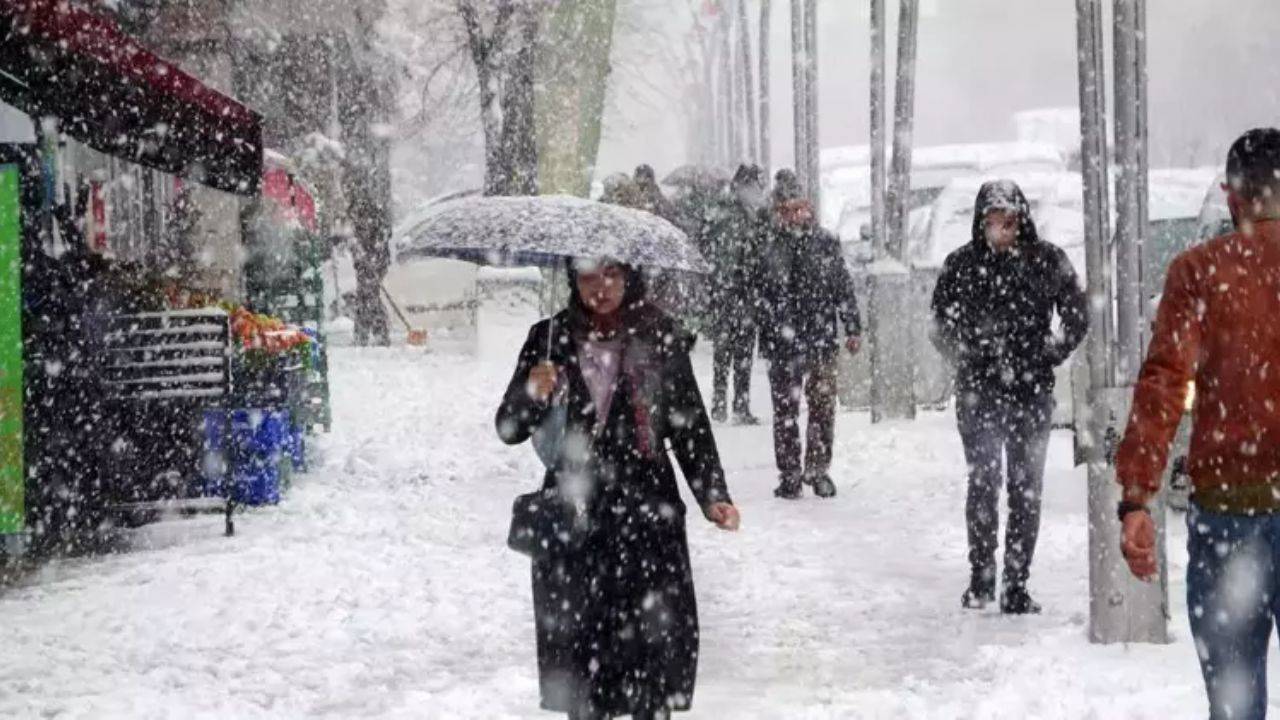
(518, 156)
(572, 79)
(748, 82)
(766, 146)
(800, 122)
(366, 177)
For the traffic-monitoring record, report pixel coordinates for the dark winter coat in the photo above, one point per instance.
(807, 296)
(993, 311)
(617, 625)
(734, 246)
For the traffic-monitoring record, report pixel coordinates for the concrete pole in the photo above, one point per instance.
(904, 129)
(1144, 161)
(1128, 210)
(879, 224)
(766, 141)
(892, 307)
(1121, 609)
(748, 82)
(798, 89)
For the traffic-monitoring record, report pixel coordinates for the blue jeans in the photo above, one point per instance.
(1233, 602)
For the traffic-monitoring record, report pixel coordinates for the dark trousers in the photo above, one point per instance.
(996, 429)
(1233, 594)
(815, 380)
(733, 350)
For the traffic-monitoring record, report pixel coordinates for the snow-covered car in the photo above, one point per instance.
(846, 176)
(1215, 215)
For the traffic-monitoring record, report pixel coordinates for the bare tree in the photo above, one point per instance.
(504, 69)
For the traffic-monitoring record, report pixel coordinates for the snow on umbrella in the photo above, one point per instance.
(699, 176)
(546, 230)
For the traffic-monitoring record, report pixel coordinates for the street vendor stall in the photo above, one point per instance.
(136, 387)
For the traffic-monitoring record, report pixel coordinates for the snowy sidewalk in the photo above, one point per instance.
(381, 588)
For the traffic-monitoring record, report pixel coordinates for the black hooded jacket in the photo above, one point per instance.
(993, 311)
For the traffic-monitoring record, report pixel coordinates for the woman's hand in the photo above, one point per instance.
(725, 516)
(542, 381)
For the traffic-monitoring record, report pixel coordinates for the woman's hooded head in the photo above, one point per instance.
(636, 287)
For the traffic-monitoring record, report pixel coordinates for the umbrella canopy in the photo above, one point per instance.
(545, 230)
(700, 176)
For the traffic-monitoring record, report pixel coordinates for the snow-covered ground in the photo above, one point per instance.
(381, 587)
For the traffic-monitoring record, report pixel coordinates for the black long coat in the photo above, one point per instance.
(993, 311)
(617, 625)
(734, 246)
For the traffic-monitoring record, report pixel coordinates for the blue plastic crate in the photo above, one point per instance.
(256, 442)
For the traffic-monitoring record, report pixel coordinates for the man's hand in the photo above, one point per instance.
(853, 344)
(725, 516)
(542, 381)
(1138, 544)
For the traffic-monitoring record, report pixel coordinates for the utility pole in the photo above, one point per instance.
(893, 334)
(748, 82)
(766, 146)
(1121, 608)
(1128, 205)
(904, 128)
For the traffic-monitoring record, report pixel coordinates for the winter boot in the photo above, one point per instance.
(823, 486)
(1017, 601)
(981, 593)
(718, 412)
(790, 488)
(745, 418)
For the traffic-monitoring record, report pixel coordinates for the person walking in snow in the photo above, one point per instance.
(735, 231)
(993, 310)
(650, 198)
(806, 300)
(1218, 326)
(616, 618)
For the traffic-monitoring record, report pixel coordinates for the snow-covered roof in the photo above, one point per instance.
(978, 156)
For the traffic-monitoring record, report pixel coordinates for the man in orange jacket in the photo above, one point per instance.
(1219, 326)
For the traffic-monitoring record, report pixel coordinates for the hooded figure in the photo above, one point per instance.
(616, 621)
(649, 196)
(993, 313)
(734, 247)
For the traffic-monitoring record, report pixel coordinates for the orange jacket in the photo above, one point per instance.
(1218, 324)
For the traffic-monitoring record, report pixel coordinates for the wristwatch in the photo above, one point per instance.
(1128, 506)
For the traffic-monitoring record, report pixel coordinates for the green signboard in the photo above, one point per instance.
(12, 482)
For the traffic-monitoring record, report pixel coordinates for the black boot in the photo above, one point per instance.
(981, 593)
(823, 486)
(1016, 600)
(718, 412)
(789, 488)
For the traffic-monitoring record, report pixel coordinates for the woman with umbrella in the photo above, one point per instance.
(617, 622)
